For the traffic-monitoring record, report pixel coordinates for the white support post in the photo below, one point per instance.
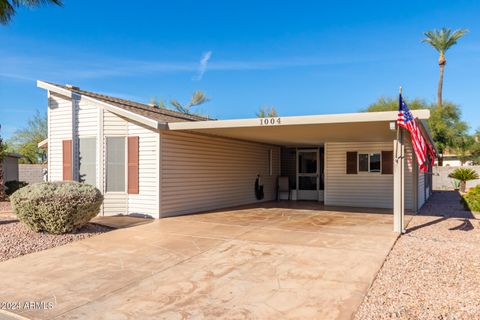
(75, 141)
(398, 183)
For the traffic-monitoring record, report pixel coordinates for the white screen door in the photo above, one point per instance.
(308, 174)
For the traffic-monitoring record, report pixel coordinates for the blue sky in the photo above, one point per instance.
(303, 57)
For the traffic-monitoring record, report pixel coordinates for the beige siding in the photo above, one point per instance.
(410, 162)
(59, 129)
(203, 172)
(421, 188)
(114, 125)
(87, 120)
(362, 189)
(147, 201)
(115, 202)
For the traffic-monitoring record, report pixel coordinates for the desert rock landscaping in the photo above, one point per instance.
(17, 240)
(433, 271)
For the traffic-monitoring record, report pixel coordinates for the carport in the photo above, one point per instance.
(350, 131)
(270, 261)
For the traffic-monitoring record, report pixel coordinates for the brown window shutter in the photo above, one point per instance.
(387, 162)
(67, 159)
(352, 162)
(133, 146)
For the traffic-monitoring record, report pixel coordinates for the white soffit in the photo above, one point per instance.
(303, 130)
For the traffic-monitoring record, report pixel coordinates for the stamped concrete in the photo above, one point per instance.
(279, 260)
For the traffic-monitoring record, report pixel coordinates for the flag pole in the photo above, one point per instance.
(398, 203)
(401, 159)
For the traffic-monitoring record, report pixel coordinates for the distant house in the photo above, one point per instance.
(10, 167)
(450, 159)
(158, 162)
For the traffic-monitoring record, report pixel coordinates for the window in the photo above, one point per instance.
(115, 164)
(363, 162)
(374, 162)
(87, 161)
(369, 162)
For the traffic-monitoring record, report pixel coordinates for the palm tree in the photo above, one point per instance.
(442, 40)
(7, 7)
(198, 97)
(463, 175)
(266, 112)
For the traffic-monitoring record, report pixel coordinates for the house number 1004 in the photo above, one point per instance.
(269, 121)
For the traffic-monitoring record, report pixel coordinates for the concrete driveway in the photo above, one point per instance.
(279, 260)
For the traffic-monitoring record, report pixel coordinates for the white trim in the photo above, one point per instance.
(49, 128)
(368, 153)
(125, 113)
(75, 147)
(297, 120)
(128, 114)
(100, 156)
(43, 143)
(51, 87)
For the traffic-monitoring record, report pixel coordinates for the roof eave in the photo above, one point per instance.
(298, 120)
(107, 106)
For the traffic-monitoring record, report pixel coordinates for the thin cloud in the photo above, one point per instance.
(202, 67)
(23, 68)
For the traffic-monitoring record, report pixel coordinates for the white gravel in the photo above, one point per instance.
(4, 206)
(16, 239)
(433, 271)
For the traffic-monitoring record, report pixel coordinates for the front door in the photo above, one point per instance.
(308, 174)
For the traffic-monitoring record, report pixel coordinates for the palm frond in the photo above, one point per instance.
(443, 39)
(35, 3)
(6, 12)
(198, 97)
(7, 8)
(177, 105)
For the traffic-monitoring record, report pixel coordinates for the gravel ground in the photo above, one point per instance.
(16, 239)
(433, 271)
(4, 206)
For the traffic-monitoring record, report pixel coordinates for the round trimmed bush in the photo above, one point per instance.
(56, 207)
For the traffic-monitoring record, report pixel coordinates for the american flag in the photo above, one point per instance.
(407, 121)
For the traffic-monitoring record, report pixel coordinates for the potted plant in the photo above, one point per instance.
(463, 175)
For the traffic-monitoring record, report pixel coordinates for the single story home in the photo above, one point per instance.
(158, 162)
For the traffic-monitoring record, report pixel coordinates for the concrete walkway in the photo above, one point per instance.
(269, 262)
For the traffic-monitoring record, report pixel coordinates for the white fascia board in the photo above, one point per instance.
(122, 112)
(51, 87)
(297, 120)
(42, 144)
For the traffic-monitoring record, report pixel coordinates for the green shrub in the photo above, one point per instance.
(471, 199)
(13, 186)
(56, 207)
(463, 175)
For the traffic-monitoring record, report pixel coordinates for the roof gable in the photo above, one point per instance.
(144, 110)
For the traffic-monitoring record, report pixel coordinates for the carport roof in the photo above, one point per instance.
(306, 130)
